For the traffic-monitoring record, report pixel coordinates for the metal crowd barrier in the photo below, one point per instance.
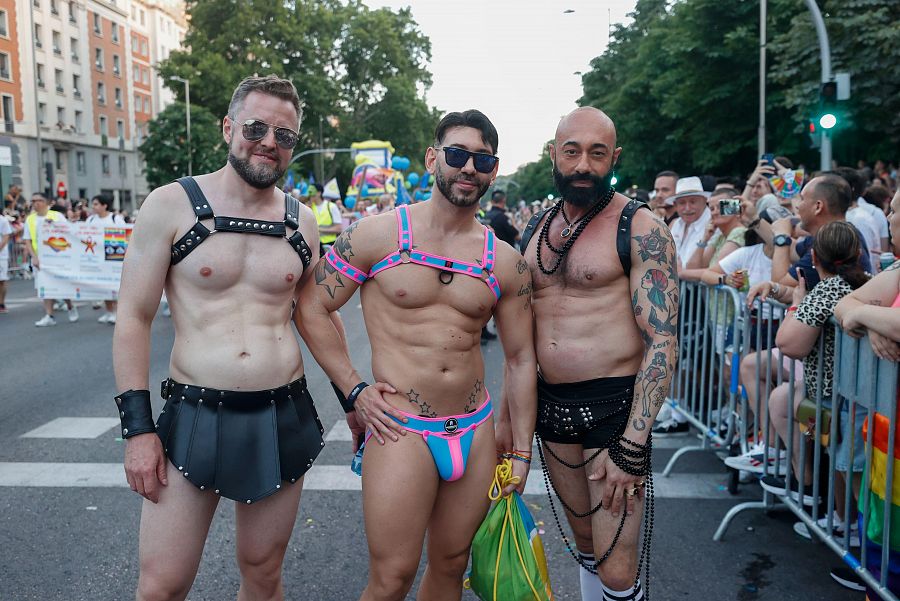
(862, 384)
(18, 265)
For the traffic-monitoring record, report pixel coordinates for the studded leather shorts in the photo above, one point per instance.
(240, 445)
(592, 413)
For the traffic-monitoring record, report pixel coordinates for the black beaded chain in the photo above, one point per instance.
(644, 452)
(544, 236)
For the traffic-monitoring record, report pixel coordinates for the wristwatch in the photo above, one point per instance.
(782, 240)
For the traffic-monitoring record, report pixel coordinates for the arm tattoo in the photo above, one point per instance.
(328, 276)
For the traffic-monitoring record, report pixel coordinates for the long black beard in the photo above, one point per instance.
(578, 196)
(444, 185)
(259, 176)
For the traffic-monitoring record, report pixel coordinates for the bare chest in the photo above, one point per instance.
(411, 286)
(226, 260)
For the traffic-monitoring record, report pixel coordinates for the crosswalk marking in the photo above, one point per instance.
(320, 477)
(73, 427)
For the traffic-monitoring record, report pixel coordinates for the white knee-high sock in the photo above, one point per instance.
(591, 587)
(633, 593)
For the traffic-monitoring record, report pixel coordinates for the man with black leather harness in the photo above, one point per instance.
(606, 309)
(231, 251)
(430, 276)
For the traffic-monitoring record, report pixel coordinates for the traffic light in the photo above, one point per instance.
(828, 101)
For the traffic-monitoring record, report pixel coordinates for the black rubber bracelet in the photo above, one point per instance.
(351, 398)
(135, 413)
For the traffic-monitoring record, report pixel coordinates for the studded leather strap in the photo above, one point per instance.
(198, 201)
(249, 226)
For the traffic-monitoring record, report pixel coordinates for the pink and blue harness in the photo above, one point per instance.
(405, 253)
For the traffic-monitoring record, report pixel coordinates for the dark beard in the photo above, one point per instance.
(582, 197)
(259, 177)
(444, 185)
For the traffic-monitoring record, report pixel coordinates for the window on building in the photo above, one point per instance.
(98, 58)
(145, 76)
(38, 35)
(4, 23)
(79, 122)
(137, 102)
(62, 157)
(54, 7)
(115, 32)
(120, 129)
(104, 163)
(72, 10)
(42, 112)
(76, 85)
(97, 29)
(103, 128)
(134, 43)
(117, 66)
(9, 120)
(135, 73)
(60, 117)
(57, 43)
(40, 75)
(142, 15)
(144, 49)
(146, 104)
(73, 45)
(101, 93)
(119, 97)
(4, 66)
(80, 163)
(58, 80)
(123, 166)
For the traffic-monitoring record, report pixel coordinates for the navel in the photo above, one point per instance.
(205, 272)
(244, 355)
(289, 277)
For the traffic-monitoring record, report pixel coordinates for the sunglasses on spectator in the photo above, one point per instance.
(255, 130)
(457, 158)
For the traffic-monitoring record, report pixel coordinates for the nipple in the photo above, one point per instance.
(289, 277)
(205, 272)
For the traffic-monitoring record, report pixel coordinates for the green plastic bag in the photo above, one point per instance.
(508, 561)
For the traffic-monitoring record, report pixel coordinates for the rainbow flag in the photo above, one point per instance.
(877, 483)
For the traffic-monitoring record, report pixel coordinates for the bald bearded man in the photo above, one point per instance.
(606, 312)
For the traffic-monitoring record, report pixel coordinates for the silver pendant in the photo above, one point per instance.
(566, 232)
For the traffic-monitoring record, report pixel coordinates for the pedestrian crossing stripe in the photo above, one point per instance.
(73, 427)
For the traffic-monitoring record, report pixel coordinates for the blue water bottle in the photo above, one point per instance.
(356, 464)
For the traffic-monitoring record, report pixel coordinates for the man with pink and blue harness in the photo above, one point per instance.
(430, 276)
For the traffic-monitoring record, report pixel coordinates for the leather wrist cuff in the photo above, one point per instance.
(135, 413)
(348, 403)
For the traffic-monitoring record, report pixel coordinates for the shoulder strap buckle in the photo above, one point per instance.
(291, 212)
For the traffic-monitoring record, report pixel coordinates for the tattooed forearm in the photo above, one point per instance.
(425, 409)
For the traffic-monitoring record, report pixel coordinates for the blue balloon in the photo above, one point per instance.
(400, 163)
(304, 189)
(350, 202)
(364, 191)
(413, 179)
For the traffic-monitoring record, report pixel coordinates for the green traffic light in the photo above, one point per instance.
(828, 120)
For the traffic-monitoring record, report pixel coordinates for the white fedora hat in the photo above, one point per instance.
(688, 186)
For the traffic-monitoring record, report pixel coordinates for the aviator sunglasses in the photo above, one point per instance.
(457, 158)
(255, 130)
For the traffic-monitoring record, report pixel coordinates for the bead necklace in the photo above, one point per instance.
(544, 237)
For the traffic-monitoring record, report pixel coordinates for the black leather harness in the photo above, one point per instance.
(623, 232)
(238, 225)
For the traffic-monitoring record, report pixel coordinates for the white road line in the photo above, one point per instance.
(339, 432)
(73, 427)
(320, 477)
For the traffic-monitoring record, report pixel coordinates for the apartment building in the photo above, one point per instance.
(76, 94)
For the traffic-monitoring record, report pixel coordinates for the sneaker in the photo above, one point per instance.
(58, 305)
(847, 578)
(45, 321)
(104, 318)
(96, 305)
(777, 486)
(838, 531)
(111, 320)
(73, 314)
(755, 460)
(671, 427)
(3, 309)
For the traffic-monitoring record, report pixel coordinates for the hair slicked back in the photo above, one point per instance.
(471, 118)
(270, 84)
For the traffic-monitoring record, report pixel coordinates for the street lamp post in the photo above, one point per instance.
(825, 56)
(187, 116)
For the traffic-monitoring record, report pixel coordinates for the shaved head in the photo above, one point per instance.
(586, 118)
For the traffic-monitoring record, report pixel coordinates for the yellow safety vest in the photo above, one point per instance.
(323, 217)
(31, 224)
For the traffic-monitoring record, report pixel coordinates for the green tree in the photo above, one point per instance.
(165, 148)
(360, 73)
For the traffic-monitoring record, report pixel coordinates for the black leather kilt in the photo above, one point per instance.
(241, 445)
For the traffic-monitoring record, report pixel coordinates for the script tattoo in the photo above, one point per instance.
(521, 266)
(425, 409)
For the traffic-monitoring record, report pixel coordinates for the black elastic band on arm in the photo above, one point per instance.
(135, 412)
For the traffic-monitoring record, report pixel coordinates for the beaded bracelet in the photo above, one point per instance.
(518, 457)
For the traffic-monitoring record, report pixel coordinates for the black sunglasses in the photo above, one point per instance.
(457, 158)
(255, 130)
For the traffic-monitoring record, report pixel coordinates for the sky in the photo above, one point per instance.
(514, 60)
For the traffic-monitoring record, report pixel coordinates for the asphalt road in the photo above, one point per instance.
(69, 531)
